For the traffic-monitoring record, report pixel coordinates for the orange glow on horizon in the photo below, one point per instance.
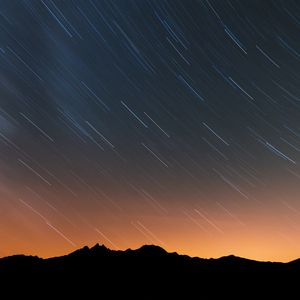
(221, 229)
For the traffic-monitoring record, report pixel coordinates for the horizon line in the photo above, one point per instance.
(143, 245)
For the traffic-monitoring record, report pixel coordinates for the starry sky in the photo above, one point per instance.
(132, 122)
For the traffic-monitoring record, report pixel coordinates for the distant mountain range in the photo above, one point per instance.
(147, 273)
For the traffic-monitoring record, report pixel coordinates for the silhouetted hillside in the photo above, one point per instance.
(148, 273)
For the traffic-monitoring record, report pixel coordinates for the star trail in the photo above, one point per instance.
(133, 122)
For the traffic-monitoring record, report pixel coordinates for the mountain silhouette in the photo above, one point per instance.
(149, 272)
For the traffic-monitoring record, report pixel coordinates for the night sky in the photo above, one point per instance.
(174, 123)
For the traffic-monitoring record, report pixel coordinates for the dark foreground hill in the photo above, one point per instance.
(146, 273)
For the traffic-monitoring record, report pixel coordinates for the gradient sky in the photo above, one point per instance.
(128, 122)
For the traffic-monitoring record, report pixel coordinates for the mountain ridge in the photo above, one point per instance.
(154, 247)
(150, 272)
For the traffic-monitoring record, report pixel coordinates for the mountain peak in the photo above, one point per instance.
(98, 247)
(151, 249)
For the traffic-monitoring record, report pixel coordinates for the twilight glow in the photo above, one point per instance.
(174, 123)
